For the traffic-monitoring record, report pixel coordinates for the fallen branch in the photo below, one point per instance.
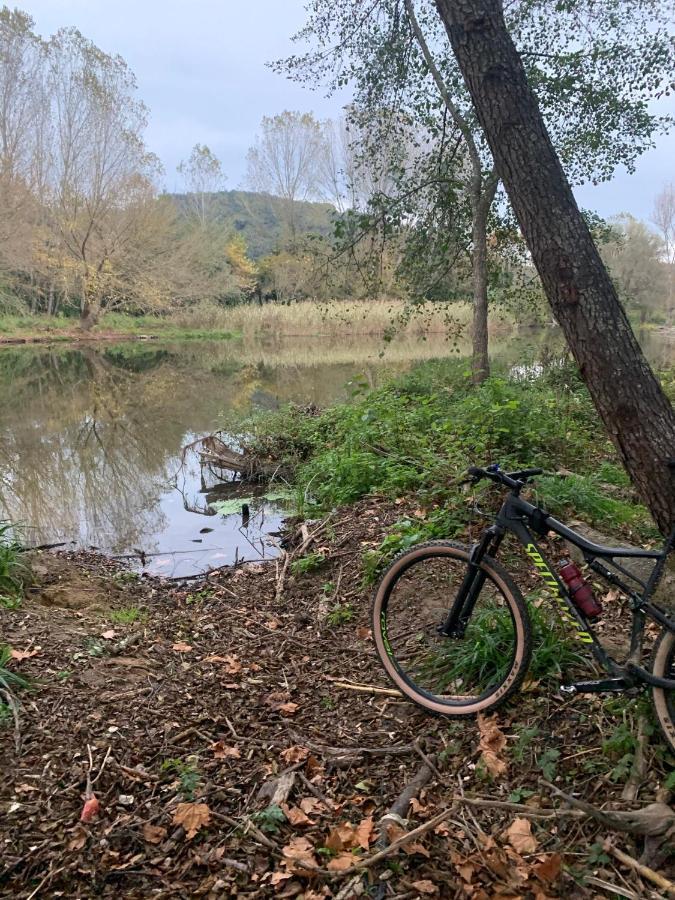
(655, 819)
(655, 877)
(365, 688)
(638, 770)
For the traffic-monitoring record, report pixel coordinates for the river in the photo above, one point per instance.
(91, 436)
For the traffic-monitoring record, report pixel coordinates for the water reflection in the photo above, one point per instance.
(91, 438)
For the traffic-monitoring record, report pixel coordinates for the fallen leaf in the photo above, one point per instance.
(288, 709)
(342, 837)
(294, 815)
(425, 887)
(394, 832)
(279, 877)
(363, 633)
(519, 835)
(221, 751)
(79, 839)
(492, 742)
(109, 635)
(153, 834)
(310, 805)
(20, 655)
(181, 647)
(364, 833)
(548, 868)
(299, 850)
(230, 663)
(341, 862)
(191, 816)
(90, 809)
(272, 624)
(294, 755)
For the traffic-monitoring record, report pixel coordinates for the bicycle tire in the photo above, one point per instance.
(517, 607)
(663, 666)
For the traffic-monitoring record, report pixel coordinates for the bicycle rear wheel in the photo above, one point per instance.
(453, 676)
(663, 666)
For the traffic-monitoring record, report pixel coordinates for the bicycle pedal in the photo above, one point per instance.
(595, 687)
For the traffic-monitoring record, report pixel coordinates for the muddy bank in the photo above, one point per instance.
(236, 731)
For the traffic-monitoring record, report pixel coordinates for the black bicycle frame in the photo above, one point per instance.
(518, 516)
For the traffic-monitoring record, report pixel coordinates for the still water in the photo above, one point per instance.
(92, 437)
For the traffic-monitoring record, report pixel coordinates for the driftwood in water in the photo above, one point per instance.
(215, 452)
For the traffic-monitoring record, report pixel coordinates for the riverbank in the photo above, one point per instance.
(207, 321)
(235, 728)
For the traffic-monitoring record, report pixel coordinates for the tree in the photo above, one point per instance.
(392, 52)
(203, 176)
(629, 399)
(285, 160)
(664, 219)
(100, 182)
(633, 255)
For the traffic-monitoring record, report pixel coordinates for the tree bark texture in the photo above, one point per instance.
(627, 395)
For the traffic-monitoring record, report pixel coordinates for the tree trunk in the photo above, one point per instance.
(483, 196)
(480, 362)
(627, 395)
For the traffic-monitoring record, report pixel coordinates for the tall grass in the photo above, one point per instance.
(13, 571)
(384, 318)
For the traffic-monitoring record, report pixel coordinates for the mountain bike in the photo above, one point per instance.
(454, 633)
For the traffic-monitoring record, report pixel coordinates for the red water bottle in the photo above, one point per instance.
(580, 591)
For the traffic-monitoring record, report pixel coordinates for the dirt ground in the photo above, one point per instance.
(235, 739)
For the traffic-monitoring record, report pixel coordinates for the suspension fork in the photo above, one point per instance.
(472, 584)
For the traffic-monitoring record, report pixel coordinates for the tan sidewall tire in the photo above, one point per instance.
(662, 652)
(512, 595)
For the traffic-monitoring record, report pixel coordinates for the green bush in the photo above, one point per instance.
(420, 432)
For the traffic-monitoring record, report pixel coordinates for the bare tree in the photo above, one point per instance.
(285, 160)
(663, 217)
(203, 177)
(101, 179)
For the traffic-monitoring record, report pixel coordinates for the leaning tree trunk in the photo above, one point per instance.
(627, 395)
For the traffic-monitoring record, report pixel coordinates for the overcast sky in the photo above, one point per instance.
(200, 66)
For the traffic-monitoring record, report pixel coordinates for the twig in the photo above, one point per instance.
(612, 888)
(644, 871)
(45, 881)
(91, 781)
(249, 827)
(364, 688)
(639, 766)
(394, 847)
(655, 819)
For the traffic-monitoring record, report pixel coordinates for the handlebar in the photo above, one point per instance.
(513, 480)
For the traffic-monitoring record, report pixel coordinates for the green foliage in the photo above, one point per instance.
(419, 433)
(13, 571)
(127, 616)
(269, 819)
(548, 763)
(187, 773)
(9, 682)
(523, 742)
(341, 613)
(309, 563)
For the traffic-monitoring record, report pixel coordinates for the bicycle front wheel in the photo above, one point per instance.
(453, 676)
(663, 666)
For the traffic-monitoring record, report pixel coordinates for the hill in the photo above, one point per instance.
(259, 218)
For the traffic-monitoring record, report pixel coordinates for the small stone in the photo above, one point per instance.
(126, 799)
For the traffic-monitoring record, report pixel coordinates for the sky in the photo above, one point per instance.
(200, 66)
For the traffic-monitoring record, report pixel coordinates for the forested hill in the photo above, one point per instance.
(260, 219)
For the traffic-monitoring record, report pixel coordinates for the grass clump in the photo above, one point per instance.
(13, 570)
(127, 616)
